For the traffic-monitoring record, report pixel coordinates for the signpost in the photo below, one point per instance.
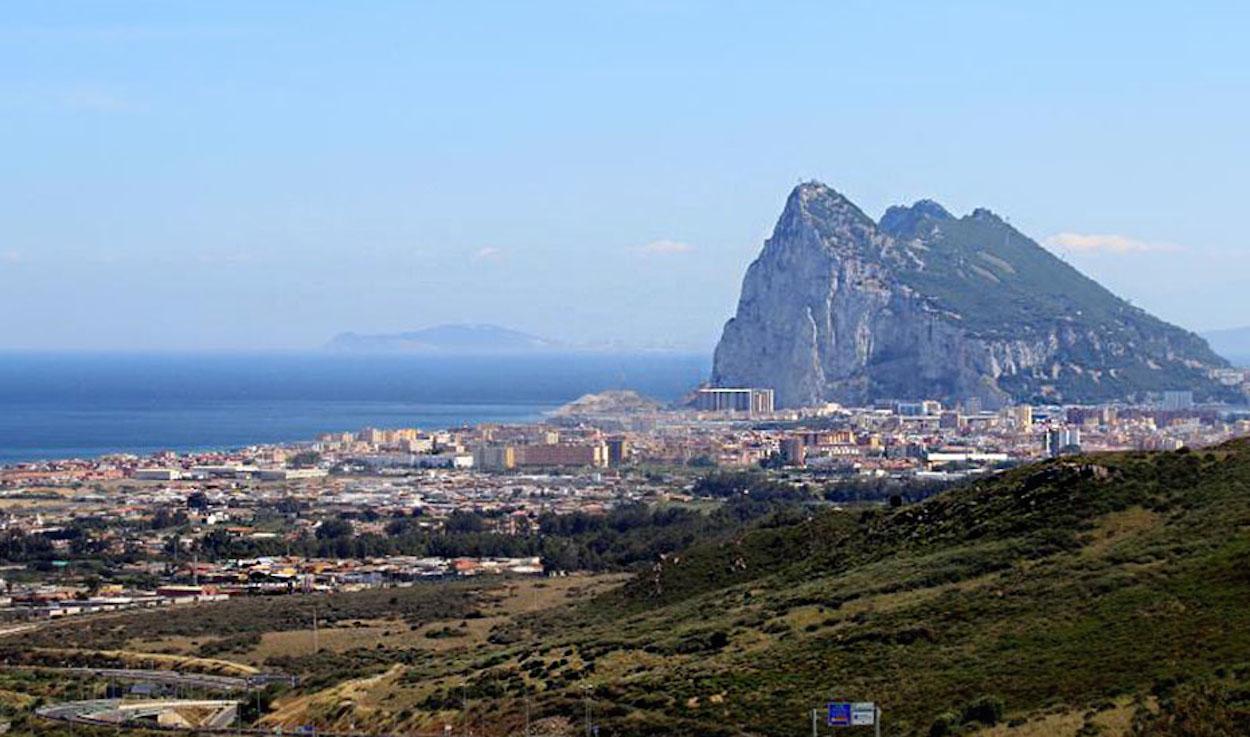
(863, 714)
(850, 714)
(839, 714)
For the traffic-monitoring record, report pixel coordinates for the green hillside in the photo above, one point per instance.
(1064, 584)
(1055, 586)
(1000, 284)
(997, 278)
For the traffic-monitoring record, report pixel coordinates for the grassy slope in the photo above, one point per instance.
(1004, 285)
(1031, 286)
(1050, 586)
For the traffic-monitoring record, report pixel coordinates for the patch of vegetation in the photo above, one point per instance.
(1003, 285)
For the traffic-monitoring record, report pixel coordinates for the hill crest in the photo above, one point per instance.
(928, 305)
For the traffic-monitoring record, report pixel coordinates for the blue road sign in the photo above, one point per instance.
(839, 714)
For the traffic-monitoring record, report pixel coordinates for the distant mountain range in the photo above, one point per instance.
(448, 340)
(839, 307)
(466, 339)
(1232, 343)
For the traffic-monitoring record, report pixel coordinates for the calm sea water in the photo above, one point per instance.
(80, 405)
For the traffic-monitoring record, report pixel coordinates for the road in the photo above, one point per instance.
(122, 714)
(116, 712)
(172, 677)
(164, 677)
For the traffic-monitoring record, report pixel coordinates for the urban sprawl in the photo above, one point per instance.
(160, 523)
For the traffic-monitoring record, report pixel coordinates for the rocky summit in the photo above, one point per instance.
(923, 304)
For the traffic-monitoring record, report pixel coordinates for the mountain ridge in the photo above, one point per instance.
(923, 304)
(463, 339)
(1232, 343)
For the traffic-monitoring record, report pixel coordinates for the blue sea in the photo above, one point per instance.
(82, 405)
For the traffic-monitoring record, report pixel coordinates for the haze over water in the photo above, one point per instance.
(78, 405)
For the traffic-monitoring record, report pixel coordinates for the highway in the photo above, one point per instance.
(123, 715)
(171, 677)
(178, 678)
(142, 714)
(118, 711)
(166, 678)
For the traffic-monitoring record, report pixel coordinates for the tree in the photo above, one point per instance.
(305, 459)
(461, 521)
(333, 529)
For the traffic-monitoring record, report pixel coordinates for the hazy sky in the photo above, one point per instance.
(267, 174)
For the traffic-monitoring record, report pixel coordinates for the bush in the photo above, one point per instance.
(987, 710)
(945, 724)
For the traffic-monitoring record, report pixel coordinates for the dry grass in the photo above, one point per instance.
(341, 638)
(534, 594)
(16, 699)
(519, 597)
(375, 700)
(1116, 527)
(296, 711)
(135, 659)
(1113, 722)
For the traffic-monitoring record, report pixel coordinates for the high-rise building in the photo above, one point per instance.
(1177, 400)
(494, 457)
(749, 400)
(793, 452)
(562, 455)
(1058, 441)
(618, 450)
(1023, 416)
(371, 435)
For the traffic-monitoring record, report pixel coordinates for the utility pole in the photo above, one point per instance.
(586, 689)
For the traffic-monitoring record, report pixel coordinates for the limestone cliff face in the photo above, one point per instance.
(837, 308)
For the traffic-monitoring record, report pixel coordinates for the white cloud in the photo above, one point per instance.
(488, 254)
(11, 257)
(664, 248)
(1107, 243)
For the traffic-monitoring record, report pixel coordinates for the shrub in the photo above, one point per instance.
(945, 724)
(987, 710)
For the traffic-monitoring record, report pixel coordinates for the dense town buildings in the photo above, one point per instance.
(509, 476)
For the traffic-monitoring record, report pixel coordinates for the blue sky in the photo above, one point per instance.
(182, 175)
